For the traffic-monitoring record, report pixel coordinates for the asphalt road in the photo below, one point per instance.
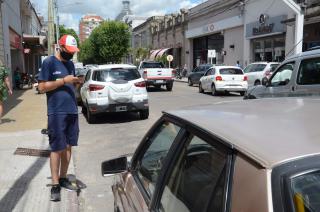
(118, 134)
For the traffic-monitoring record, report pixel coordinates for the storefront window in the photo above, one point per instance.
(270, 49)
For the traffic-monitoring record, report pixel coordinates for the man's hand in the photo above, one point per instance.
(71, 79)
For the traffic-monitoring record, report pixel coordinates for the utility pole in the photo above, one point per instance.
(57, 16)
(50, 28)
(299, 25)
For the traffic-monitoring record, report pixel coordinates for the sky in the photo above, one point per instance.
(71, 11)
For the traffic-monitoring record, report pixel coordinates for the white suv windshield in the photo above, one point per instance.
(109, 75)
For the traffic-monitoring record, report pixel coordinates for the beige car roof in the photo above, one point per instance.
(270, 131)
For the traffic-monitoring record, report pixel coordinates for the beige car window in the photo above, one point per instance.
(197, 181)
(150, 165)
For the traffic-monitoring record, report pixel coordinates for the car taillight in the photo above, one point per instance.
(95, 87)
(267, 73)
(140, 84)
(218, 78)
(245, 78)
(174, 72)
(144, 74)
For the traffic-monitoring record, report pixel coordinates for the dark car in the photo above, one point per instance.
(298, 75)
(197, 73)
(231, 156)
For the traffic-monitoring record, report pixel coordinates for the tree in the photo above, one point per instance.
(108, 43)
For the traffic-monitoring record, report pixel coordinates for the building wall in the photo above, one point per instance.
(272, 9)
(1, 36)
(233, 37)
(11, 19)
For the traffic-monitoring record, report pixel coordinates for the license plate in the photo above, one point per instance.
(159, 81)
(121, 108)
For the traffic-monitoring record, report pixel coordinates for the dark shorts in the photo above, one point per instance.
(63, 130)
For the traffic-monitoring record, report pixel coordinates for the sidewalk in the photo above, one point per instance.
(25, 180)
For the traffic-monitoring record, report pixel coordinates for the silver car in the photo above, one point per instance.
(298, 75)
(257, 156)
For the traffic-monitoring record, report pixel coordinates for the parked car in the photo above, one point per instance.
(80, 73)
(230, 156)
(114, 88)
(156, 74)
(197, 73)
(223, 79)
(257, 71)
(298, 75)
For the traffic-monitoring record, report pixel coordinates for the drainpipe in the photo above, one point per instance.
(299, 11)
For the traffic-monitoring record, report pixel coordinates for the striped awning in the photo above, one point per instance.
(162, 52)
(154, 53)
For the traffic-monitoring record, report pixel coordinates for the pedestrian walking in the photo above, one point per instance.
(238, 64)
(57, 79)
(5, 86)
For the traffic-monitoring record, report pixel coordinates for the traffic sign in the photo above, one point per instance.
(212, 53)
(170, 58)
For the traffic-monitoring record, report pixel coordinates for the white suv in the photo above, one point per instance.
(257, 71)
(223, 79)
(114, 88)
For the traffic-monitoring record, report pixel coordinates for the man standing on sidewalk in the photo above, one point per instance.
(57, 79)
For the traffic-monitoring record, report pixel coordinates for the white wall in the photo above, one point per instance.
(234, 37)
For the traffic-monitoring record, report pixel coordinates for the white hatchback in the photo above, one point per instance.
(257, 71)
(114, 88)
(223, 79)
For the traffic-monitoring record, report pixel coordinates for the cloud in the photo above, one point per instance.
(70, 11)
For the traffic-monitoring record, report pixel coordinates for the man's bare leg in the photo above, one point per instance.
(55, 158)
(65, 160)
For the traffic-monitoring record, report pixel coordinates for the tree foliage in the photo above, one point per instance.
(108, 43)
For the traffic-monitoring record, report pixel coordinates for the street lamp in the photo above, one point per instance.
(57, 15)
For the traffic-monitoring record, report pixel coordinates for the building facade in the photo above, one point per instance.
(1, 36)
(12, 32)
(87, 24)
(34, 46)
(168, 37)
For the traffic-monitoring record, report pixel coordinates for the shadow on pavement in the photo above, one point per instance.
(153, 89)
(224, 95)
(19, 188)
(7, 121)
(116, 118)
(13, 100)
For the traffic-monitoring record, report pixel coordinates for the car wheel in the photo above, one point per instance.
(144, 114)
(257, 83)
(190, 82)
(90, 117)
(213, 90)
(200, 88)
(169, 86)
(83, 109)
(242, 93)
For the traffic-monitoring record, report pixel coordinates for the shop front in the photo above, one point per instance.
(16, 51)
(267, 38)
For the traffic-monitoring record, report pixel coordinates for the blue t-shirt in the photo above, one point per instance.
(61, 100)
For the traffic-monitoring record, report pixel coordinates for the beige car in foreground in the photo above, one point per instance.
(242, 156)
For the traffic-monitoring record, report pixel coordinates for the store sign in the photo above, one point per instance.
(15, 39)
(265, 26)
(208, 28)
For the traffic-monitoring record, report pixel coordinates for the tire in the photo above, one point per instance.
(200, 88)
(83, 109)
(213, 90)
(144, 114)
(90, 117)
(242, 93)
(257, 83)
(169, 86)
(190, 82)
